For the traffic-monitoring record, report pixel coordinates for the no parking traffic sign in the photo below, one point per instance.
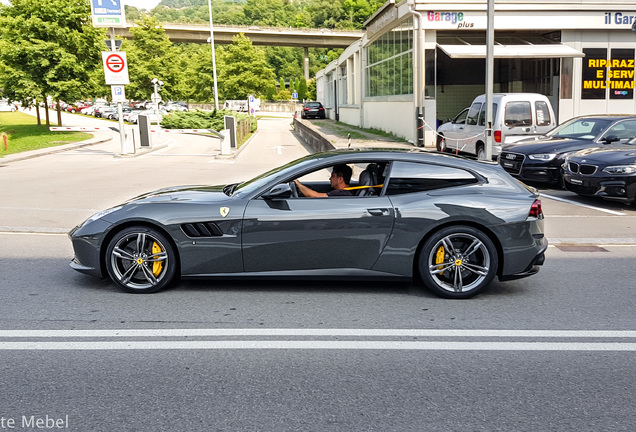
(115, 67)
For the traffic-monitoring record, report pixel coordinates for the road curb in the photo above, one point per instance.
(50, 150)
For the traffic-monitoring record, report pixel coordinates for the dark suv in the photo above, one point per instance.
(313, 109)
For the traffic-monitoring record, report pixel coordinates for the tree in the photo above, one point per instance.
(48, 48)
(272, 13)
(150, 55)
(243, 70)
(302, 89)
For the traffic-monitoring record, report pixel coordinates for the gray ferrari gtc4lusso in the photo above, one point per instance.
(452, 223)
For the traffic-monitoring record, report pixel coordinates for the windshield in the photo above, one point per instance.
(582, 128)
(260, 180)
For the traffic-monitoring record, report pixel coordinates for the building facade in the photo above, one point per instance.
(420, 63)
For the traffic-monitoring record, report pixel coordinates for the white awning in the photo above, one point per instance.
(512, 51)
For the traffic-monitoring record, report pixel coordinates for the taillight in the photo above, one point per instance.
(306, 109)
(498, 136)
(536, 210)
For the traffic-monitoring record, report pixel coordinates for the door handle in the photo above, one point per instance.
(378, 212)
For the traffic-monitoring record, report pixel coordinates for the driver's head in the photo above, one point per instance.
(340, 176)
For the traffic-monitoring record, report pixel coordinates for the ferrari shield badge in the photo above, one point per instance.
(224, 211)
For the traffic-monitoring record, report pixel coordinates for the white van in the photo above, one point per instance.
(523, 115)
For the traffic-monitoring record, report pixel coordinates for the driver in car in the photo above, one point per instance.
(340, 178)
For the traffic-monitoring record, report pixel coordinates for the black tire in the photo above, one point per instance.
(481, 152)
(441, 144)
(141, 260)
(457, 262)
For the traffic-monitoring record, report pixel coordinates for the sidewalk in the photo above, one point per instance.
(324, 135)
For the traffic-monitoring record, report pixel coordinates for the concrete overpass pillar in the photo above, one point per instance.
(306, 63)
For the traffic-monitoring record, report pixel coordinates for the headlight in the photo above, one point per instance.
(101, 214)
(621, 169)
(543, 156)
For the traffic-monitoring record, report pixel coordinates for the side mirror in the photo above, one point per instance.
(282, 190)
(610, 139)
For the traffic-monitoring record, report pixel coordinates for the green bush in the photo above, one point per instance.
(245, 123)
(200, 119)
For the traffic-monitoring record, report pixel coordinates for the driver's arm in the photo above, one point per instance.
(308, 192)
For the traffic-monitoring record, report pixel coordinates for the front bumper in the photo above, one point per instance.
(622, 189)
(87, 241)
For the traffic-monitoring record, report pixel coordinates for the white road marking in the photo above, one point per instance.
(583, 205)
(123, 333)
(322, 345)
(61, 233)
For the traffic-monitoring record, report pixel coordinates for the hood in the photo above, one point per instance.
(206, 194)
(619, 155)
(561, 145)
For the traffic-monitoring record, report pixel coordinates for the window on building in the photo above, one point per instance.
(567, 66)
(411, 177)
(620, 74)
(342, 86)
(389, 68)
(594, 73)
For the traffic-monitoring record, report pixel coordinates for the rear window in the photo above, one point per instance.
(518, 114)
(411, 177)
(313, 105)
(543, 113)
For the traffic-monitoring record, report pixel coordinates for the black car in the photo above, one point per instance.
(540, 160)
(609, 172)
(452, 223)
(313, 109)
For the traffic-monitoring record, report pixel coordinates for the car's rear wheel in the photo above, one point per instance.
(141, 260)
(457, 262)
(481, 152)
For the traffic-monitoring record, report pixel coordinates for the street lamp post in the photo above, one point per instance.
(211, 40)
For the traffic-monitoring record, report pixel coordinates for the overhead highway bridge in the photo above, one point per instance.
(267, 36)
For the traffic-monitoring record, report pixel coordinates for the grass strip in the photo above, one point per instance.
(24, 134)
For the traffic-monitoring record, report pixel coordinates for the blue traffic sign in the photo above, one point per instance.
(107, 7)
(108, 13)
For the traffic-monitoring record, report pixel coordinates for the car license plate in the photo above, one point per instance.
(507, 164)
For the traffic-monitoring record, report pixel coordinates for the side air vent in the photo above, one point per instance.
(201, 229)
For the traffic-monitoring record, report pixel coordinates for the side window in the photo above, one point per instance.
(473, 114)
(518, 114)
(623, 130)
(482, 119)
(461, 117)
(543, 113)
(410, 177)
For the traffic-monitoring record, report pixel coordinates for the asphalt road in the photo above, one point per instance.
(554, 352)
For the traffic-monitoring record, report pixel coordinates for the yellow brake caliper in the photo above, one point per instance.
(439, 257)
(157, 265)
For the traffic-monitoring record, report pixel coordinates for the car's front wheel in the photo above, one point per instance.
(457, 262)
(141, 260)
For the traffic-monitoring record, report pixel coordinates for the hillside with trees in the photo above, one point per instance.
(50, 49)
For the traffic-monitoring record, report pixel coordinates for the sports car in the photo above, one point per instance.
(452, 223)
